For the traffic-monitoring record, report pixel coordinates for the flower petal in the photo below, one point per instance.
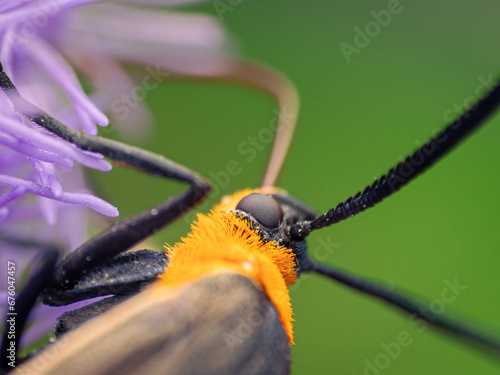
(11, 195)
(35, 152)
(113, 89)
(13, 14)
(47, 57)
(160, 3)
(43, 146)
(190, 44)
(66, 197)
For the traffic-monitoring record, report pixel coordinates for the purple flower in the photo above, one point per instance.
(43, 192)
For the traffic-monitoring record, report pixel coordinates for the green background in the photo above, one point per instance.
(357, 120)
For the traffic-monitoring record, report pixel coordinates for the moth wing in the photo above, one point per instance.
(221, 324)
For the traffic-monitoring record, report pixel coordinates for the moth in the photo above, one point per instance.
(246, 251)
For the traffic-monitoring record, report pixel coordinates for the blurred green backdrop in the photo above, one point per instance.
(357, 120)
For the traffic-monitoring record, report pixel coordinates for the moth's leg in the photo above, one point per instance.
(411, 304)
(124, 234)
(24, 301)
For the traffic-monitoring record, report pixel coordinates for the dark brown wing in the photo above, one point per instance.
(221, 324)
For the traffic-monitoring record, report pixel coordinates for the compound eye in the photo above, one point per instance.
(265, 209)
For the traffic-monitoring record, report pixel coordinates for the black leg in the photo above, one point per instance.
(413, 305)
(25, 300)
(122, 235)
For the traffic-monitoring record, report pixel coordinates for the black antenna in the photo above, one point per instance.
(407, 170)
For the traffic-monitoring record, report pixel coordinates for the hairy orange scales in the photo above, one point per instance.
(220, 242)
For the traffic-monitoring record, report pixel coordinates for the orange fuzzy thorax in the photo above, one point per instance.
(222, 242)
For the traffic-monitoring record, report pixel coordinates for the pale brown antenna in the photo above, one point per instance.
(266, 79)
(282, 89)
